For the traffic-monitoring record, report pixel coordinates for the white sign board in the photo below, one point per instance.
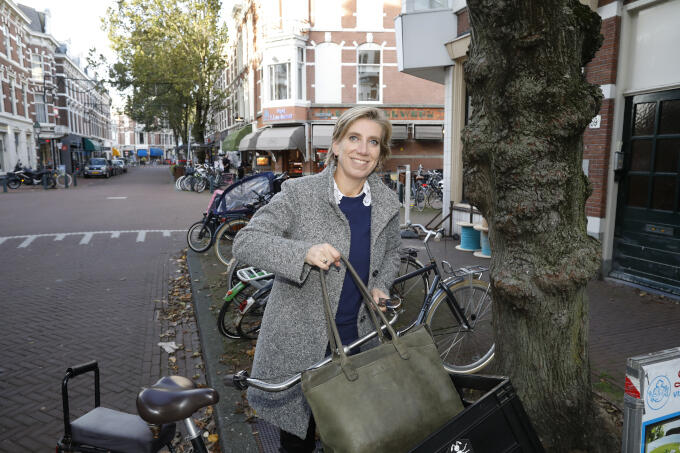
(661, 419)
(595, 122)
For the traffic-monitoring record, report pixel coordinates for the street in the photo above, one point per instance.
(81, 271)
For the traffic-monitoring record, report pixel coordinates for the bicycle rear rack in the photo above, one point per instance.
(249, 274)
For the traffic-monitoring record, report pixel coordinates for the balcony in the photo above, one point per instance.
(421, 38)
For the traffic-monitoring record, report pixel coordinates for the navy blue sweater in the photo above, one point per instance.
(359, 218)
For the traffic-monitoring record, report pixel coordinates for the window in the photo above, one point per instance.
(24, 91)
(13, 94)
(279, 81)
(327, 73)
(8, 45)
(368, 73)
(370, 14)
(300, 73)
(141, 138)
(2, 151)
(327, 15)
(37, 67)
(424, 5)
(20, 51)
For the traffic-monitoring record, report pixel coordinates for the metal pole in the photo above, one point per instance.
(407, 195)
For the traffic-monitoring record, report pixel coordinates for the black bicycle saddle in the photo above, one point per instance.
(173, 398)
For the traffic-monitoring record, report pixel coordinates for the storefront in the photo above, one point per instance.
(280, 149)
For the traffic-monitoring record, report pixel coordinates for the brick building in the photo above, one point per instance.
(296, 65)
(16, 120)
(134, 142)
(631, 148)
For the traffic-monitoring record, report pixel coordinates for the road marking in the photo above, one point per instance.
(27, 242)
(116, 198)
(86, 236)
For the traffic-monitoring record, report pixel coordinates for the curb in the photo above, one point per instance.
(235, 433)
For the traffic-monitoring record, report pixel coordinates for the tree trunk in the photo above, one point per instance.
(522, 158)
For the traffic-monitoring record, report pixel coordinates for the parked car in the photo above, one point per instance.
(97, 166)
(120, 165)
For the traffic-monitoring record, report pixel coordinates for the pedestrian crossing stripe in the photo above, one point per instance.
(86, 236)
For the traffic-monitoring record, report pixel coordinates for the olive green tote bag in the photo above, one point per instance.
(385, 399)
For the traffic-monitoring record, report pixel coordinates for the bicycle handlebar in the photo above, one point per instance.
(242, 380)
(415, 226)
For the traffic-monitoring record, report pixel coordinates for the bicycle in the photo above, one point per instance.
(244, 303)
(170, 400)
(457, 309)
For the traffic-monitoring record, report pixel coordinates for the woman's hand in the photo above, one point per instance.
(377, 295)
(322, 255)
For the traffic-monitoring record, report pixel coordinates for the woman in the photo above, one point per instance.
(344, 209)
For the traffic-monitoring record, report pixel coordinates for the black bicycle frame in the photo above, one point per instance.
(436, 283)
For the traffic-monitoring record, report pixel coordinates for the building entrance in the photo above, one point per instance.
(647, 234)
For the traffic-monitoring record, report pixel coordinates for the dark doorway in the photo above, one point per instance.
(647, 234)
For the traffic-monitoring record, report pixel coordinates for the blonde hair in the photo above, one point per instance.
(356, 113)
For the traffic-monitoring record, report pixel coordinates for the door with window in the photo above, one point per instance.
(647, 235)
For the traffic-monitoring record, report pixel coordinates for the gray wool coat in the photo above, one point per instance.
(293, 333)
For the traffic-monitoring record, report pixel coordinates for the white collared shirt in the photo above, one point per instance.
(366, 191)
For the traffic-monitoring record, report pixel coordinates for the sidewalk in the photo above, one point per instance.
(624, 321)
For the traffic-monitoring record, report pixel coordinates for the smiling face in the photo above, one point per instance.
(357, 154)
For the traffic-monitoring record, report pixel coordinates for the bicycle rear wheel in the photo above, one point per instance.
(200, 237)
(250, 317)
(463, 350)
(224, 238)
(435, 199)
(419, 199)
(411, 292)
(199, 185)
(228, 318)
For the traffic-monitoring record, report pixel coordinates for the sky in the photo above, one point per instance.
(78, 23)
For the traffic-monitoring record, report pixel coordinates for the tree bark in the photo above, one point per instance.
(522, 157)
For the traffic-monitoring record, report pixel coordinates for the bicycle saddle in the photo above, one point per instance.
(173, 398)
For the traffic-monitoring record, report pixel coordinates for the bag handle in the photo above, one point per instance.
(332, 329)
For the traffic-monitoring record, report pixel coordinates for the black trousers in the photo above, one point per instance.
(290, 443)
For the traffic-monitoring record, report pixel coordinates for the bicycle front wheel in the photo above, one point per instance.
(200, 237)
(62, 179)
(463, 350)
(224, 238)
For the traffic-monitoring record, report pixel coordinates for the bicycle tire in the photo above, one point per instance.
(51, 182)
(411, 292)
(463, 351)
(227, 319)
(224, 237)
(199, 185)
(62, 178)
(200, 237)
(186, 183)
(419, 201)
(435, 199)
(178, 183)
(249, 321)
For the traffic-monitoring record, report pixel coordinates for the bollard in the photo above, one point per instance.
(4, 184)
(44, 181)
(212, 187)
(65, 180)
(75, 183)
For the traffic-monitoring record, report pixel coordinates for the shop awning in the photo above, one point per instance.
(249, 142)
(282, 138)
(231, 143)
(142, 153)
(322, 135)
(429, 132)
(156, 152)
(89, 145)
(399, 132)
(115, 152)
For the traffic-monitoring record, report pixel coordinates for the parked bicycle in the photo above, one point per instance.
(170, 400)
(458, 309)
(245, 301)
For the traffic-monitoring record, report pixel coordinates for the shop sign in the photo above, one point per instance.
(404, 114)
(279, 114)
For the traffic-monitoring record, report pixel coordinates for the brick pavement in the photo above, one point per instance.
(65, 303)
